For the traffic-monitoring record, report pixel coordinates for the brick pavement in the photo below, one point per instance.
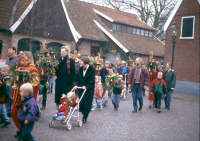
(181, 123)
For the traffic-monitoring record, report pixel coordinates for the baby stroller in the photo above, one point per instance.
(124, 90)
(71, 114)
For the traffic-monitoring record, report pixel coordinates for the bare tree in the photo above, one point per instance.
(152, 12)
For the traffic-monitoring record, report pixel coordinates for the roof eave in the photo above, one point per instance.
(21, 18)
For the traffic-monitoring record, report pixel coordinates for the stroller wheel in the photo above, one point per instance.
(80, 123)
(69, 126)
(51, 123)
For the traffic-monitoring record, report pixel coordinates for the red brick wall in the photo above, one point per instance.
(186, 52)
(85, 48)
(6, 37)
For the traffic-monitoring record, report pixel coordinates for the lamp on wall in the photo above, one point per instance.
(174, 30)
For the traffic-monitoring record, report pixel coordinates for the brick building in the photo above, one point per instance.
(186, 52)
(85, 27)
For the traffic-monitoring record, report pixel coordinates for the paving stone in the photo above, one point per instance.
(181, 123)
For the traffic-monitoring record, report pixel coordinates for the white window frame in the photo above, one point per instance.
(182, 26)
(142, 30)
(150, 32)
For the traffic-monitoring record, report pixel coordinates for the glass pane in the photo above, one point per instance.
(114, 26)
(187, 27)
(146, 33)
(123, 28)
(138, 32)
(142, 32)
(134, 30)
(128, 29)
(118, 27)
(150, 34)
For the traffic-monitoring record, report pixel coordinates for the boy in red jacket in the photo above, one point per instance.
(158, 88)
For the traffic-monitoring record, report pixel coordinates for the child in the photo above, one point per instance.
(116, 94)
(66, 102)
(28, 112)
(97, 94)
(4, 94)
(159, 88)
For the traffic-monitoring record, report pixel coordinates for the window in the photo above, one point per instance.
(146, 33)
(134, 30)
(123, 28)
(142, 32)
(118, 27)
(138, 31)
(187, 27)
(150, 34)
(114, 26)
(128, 29)
(95, 50)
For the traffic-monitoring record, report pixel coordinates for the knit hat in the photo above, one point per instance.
(107, 62)
(123, 62)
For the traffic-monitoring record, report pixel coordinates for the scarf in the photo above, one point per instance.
(137, 74)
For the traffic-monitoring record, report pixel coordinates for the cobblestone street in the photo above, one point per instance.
(181, 123)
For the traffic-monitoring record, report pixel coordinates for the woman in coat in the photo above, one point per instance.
(85, 78)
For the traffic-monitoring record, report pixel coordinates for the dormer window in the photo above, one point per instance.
(129, 30)
(124, 28)
(142, 32)
(138, 31)
(118, 27)
(150, 34)
(134, 30)
(147, 33)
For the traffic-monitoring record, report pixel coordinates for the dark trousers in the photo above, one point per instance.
(25, 131)
(9, 104)
(158, 101)
(44, 92)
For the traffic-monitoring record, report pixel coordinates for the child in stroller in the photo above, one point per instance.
(66, 102)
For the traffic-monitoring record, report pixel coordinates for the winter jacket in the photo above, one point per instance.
(28, 110)
(103, 72)
(170, 79)
(5, 90)
(144, 78)
(98, 91)
(10, 61)
(118, 89)
(158, 87)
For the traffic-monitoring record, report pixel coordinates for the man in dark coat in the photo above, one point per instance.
(65, 75)
(85, 78)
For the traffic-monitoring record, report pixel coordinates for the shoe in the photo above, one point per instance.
(1, 121)
(48, 92)
(140, 109)
(165, 107)
(5, 124)
(42, 108)
(9, 114)
(134, 111)
(159, 111)
(20, 139)
(84, 120)
(149, 106)
(93, 109)
(168, 108)
(143, 94)
(156, 109)
(101, 107)
(115, 109)
(17, 134)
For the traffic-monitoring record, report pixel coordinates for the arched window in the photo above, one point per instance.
(57, 46)
(26, 45)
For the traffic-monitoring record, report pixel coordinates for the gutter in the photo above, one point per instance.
(147, 54)
(93, 39)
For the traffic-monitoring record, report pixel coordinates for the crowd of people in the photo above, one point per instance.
(134, 78)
